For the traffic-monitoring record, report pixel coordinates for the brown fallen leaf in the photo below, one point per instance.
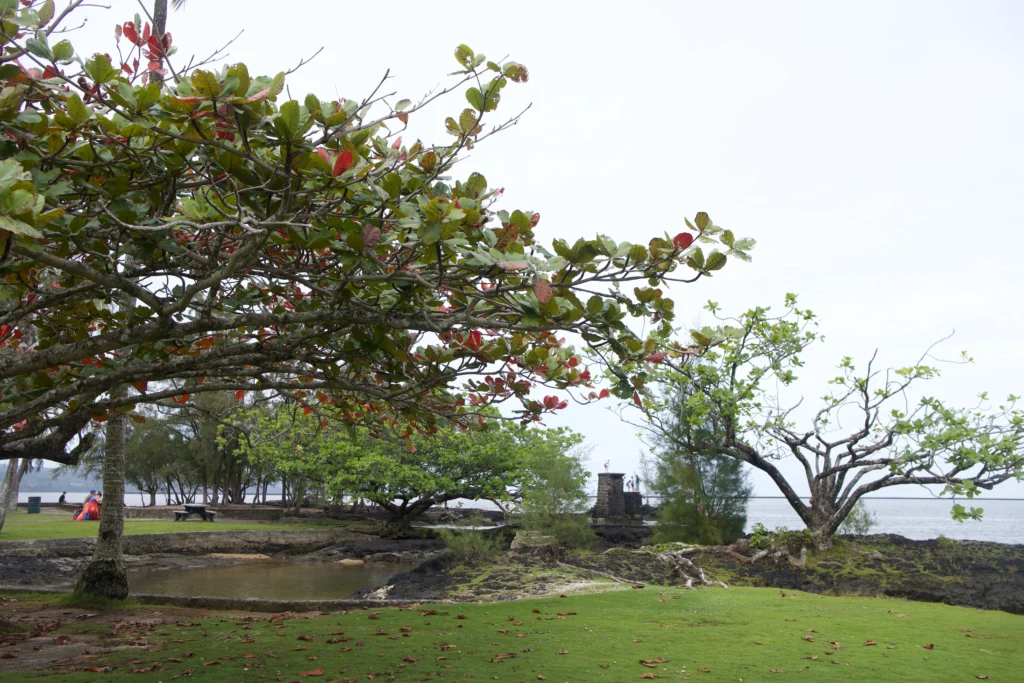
(213, 663)
(777, 671)
(319, 671)
(758, 642)
(461, 616)
(174, 660)
(809, 639)
(833, 661)
(981, 677)
(929, 646)
(650, 676)
(562, 652)
(541, 677)
(604, 666)
(707, 671)
(869, 642)
(62, 640)
(249, 655)
(409, 659)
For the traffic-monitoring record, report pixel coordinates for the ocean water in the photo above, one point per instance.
(916, 518)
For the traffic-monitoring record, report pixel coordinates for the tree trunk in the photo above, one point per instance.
(159, 28)
(105, 576)
(12, 498)
(152, 498)
(8, 489)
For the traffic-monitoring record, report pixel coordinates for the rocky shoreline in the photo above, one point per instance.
(966, 573)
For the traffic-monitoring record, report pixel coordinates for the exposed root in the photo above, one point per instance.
(598, 573)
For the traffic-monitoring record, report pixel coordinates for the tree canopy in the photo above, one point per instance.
(301, 247)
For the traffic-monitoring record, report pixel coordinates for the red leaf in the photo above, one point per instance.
(141, 386)
(182, 399)
(342, 163)
(239, 394)
(475, 340)
(636, 399)
(145, 32)
(534, 220)
(306, 410)
(551, 402)
(604, 394)
(322, 153)
(130, 33)
(397, 144)
(655, 357)
(261, 95)
(682, 240)
(542, 289)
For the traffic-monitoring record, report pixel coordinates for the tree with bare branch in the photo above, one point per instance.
(870, 433)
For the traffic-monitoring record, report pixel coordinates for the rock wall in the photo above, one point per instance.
(633, 504)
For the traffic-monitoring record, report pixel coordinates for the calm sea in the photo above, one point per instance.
(917, 518)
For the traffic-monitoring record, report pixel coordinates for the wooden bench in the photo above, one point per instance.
(194, 509)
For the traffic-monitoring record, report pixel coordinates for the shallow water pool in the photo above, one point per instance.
(267, 579)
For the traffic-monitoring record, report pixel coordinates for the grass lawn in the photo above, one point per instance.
(21, 526)
(739, 634)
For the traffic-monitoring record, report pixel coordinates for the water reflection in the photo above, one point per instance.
(268, 579)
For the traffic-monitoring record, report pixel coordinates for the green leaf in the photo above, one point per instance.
(287, 120)
(39, 48)
(716, 260)
(403, 105)
(205, 83)
(464, 56)
(45, 13)
(728, 239)
(702, 220)
(517, 72)
(100, 69)
(63, 51)
(467, 121)
(476, 184)
(77, 111)
(475, 99)
(18, 227)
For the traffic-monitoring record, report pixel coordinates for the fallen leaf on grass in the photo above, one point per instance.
(869, 642)
(981, 677)
(758, 642)
(929, 646)
(653, 662)
(650, 676)
(409, 659)
(809, 639)
(62, 640)
(174, 660)
(777, 671)
(213, 663)
(604, 666)
(319, 671)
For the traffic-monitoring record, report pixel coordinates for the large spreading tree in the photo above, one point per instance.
(873, 430)
(160, 239)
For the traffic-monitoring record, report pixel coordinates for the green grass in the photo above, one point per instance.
(21, 526)
(747, 634)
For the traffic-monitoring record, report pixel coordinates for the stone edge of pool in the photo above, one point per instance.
(238, 604)
(187, 542)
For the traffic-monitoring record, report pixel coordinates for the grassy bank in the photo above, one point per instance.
(747, 634)
(21, 526)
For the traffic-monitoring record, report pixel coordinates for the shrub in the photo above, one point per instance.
(859, 522)
(554, 498)
(793, 541)
(471, 546)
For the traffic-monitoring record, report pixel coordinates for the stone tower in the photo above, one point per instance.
(610, 501)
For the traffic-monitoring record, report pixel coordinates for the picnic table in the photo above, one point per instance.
(194, 509)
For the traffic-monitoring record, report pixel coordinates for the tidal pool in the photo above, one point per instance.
(268, 579)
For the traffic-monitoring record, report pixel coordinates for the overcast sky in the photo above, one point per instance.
(874, 149)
